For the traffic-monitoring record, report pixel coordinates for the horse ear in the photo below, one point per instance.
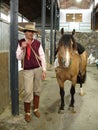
(62, 31)
(73, 32)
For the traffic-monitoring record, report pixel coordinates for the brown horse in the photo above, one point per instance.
(71, 66)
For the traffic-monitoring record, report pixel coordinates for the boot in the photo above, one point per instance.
(36, 106)
(27, 112)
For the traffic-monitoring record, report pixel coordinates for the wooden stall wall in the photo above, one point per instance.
(4, 65)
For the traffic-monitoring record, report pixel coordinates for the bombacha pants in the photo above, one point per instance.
(32, 83)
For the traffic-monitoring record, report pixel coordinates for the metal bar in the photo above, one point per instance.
(0, 8)
(43, 22)
(13, 60)
(94, 20)
(93, 16)
(58, 1)
(51, 33)
(55, 27)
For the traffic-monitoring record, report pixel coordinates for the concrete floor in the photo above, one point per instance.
(85, 118)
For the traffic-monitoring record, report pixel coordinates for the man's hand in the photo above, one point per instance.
(24, 44)
(43, 75)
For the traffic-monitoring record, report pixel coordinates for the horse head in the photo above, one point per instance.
(66, 46)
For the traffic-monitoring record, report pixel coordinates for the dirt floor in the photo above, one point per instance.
(85, 118)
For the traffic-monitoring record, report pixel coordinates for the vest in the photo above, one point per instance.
(32, 63)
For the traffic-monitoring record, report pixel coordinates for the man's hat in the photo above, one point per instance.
(29, 27)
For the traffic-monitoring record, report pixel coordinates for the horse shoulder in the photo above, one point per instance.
(75, 59)
(75, 64)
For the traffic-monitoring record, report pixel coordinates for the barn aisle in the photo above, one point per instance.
(85, 118)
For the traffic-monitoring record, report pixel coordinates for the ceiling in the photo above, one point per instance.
(31, 9)
(65, 4)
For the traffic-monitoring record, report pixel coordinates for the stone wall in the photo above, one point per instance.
(89, 41)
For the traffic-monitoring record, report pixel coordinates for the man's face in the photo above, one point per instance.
(29, 34)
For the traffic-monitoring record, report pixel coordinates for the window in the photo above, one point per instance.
(74, 17)
(3, 16)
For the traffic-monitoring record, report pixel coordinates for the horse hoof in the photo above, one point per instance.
(81, 94)
(69, 108)
(61, 111)
(72, 109)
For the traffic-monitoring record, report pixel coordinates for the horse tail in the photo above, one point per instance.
(84, 77)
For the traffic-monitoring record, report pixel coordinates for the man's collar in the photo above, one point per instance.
(27, 40)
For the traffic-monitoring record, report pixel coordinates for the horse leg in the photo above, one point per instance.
(81, 89)
(62, 93)
(82, 79)
(83, 71)
(72, 92)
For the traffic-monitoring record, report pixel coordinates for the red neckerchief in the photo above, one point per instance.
(29, 50)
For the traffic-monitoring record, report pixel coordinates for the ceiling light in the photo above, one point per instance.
(78, 0)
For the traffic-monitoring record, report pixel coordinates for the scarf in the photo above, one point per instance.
(28, 51)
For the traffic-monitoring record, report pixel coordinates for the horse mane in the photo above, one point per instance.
(66, 39)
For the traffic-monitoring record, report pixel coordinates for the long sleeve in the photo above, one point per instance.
(42, 57)
(19, 53)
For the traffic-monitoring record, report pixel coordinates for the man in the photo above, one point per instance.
(34, 65)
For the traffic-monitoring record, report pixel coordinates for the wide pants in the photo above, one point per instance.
(32, 83)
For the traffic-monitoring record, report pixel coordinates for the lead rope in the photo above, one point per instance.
(23, 58)
(36, 56)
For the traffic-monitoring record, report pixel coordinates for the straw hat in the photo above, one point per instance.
(30, 27)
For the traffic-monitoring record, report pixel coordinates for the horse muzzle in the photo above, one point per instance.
(66, 64)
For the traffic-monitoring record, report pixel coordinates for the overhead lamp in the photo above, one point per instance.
(78, 1)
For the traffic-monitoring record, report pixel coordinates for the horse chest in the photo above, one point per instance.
(63, 74)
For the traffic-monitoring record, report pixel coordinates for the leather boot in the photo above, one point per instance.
(36, 106)
(27, 112)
